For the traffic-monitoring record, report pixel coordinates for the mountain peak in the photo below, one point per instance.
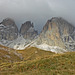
(8, 21)
(58, 32)
(27, 30)
(26, 26)
(8, 29)
(28, 23)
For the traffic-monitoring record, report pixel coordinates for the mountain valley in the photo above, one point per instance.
(25, 52)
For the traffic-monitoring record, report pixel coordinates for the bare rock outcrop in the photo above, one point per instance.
(28, 31)
(8, 30)
(58, 32)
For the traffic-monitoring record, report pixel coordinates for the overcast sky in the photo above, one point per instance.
(37, 11)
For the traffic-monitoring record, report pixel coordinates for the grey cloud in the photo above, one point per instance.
(37, 11)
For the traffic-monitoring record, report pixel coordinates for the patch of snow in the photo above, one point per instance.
(1, 25)
(19, 47)
(4, 41)
(46, 47)
(19, 43)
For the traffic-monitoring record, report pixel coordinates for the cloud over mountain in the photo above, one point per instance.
(37, 11)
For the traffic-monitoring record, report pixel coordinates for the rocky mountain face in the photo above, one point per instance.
(58, 32)
(8, 29)
(11, 37)
(57, 35)
(28, 31)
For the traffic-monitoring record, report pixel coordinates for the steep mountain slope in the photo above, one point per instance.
(57, 33)
(28, 31)
(9, 55)
(11, 37)
(8, 29)
(19, 44)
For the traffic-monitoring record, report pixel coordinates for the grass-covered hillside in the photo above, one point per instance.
(8, 55)
(32, 53)
(39, 62)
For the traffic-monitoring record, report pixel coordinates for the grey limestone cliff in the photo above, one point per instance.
(28, 31)
(8, 29)
(58, 32)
